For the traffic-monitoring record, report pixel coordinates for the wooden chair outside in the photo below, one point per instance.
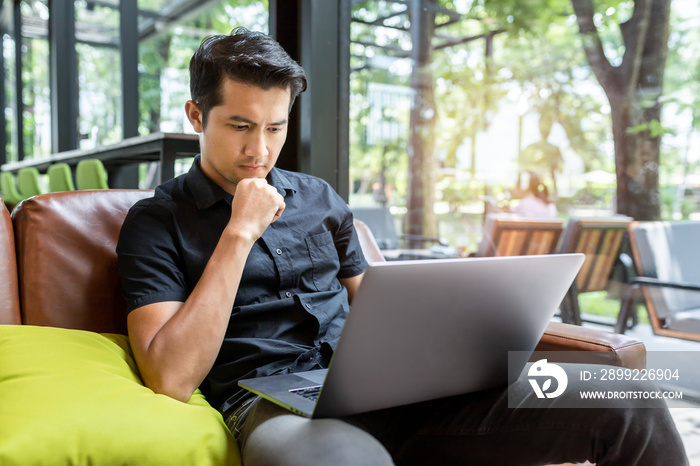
(511, 235)
(601, 240)
(667, 260)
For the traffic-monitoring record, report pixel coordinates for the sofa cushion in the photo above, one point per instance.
(9, 292)
(668, 251)
(75, 397)
(67, 259)
(572, 343)
(685, 321)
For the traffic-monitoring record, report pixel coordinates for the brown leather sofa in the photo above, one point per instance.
(9, 294)
(58, 268)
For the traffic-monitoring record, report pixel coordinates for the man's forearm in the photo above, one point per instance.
(176, 344)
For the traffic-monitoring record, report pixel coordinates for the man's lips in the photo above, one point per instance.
(253, 167)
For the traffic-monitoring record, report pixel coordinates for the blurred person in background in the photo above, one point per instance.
(534, 199)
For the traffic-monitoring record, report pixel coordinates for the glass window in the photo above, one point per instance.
(169, 32)
(36, 95)
(164, 56)
(99, 73)
(454, 112)
(8, 45)
(165, 53)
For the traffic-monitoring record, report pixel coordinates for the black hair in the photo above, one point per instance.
(252, 58)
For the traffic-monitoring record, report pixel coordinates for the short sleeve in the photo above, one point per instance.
(352, 259)
(149, 263)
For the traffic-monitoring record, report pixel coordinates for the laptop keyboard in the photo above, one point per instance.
(310, 393)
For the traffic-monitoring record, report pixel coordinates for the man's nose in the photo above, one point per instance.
(256, 144)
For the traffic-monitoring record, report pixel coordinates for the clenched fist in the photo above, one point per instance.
(255, 205)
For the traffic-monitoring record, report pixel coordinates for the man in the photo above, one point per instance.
(239, 269)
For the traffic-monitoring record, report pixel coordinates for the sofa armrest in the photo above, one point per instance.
(592, 346)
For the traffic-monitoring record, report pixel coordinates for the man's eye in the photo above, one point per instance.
(275, 129)
(240, 127)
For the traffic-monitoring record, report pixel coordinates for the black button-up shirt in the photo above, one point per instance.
(290, 306)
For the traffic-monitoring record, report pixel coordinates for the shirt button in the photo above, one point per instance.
(288, 294)
(278, 251)
(307, 305)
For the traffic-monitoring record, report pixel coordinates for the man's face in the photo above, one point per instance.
(244, 135)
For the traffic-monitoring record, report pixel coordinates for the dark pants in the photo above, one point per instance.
(481, 429)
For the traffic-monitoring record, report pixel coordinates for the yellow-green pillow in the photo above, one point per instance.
(71, 397)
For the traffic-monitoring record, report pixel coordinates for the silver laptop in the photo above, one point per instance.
(427, 329)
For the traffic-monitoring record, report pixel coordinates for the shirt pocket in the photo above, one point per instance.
(325, 264)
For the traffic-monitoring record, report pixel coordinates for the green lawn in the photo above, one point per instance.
(597, 303)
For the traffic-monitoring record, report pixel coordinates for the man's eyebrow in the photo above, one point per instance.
(251, 122)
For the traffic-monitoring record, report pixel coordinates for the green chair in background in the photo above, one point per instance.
(60, 178)
(28, 182)
(10, 194)
(91, 174)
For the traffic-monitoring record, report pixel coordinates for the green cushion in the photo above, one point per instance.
(75, 397)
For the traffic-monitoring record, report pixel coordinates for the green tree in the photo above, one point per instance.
(626, 45)
(426, 27)
(555, 82)
(634, 88)
(420, 218)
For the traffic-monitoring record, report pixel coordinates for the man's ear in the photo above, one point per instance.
(194, 115)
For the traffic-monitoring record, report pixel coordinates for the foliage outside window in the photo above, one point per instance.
(164, 58)
(164, 52)
(99, 75)
(492, 88)
(36, 109)
(164, 62)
